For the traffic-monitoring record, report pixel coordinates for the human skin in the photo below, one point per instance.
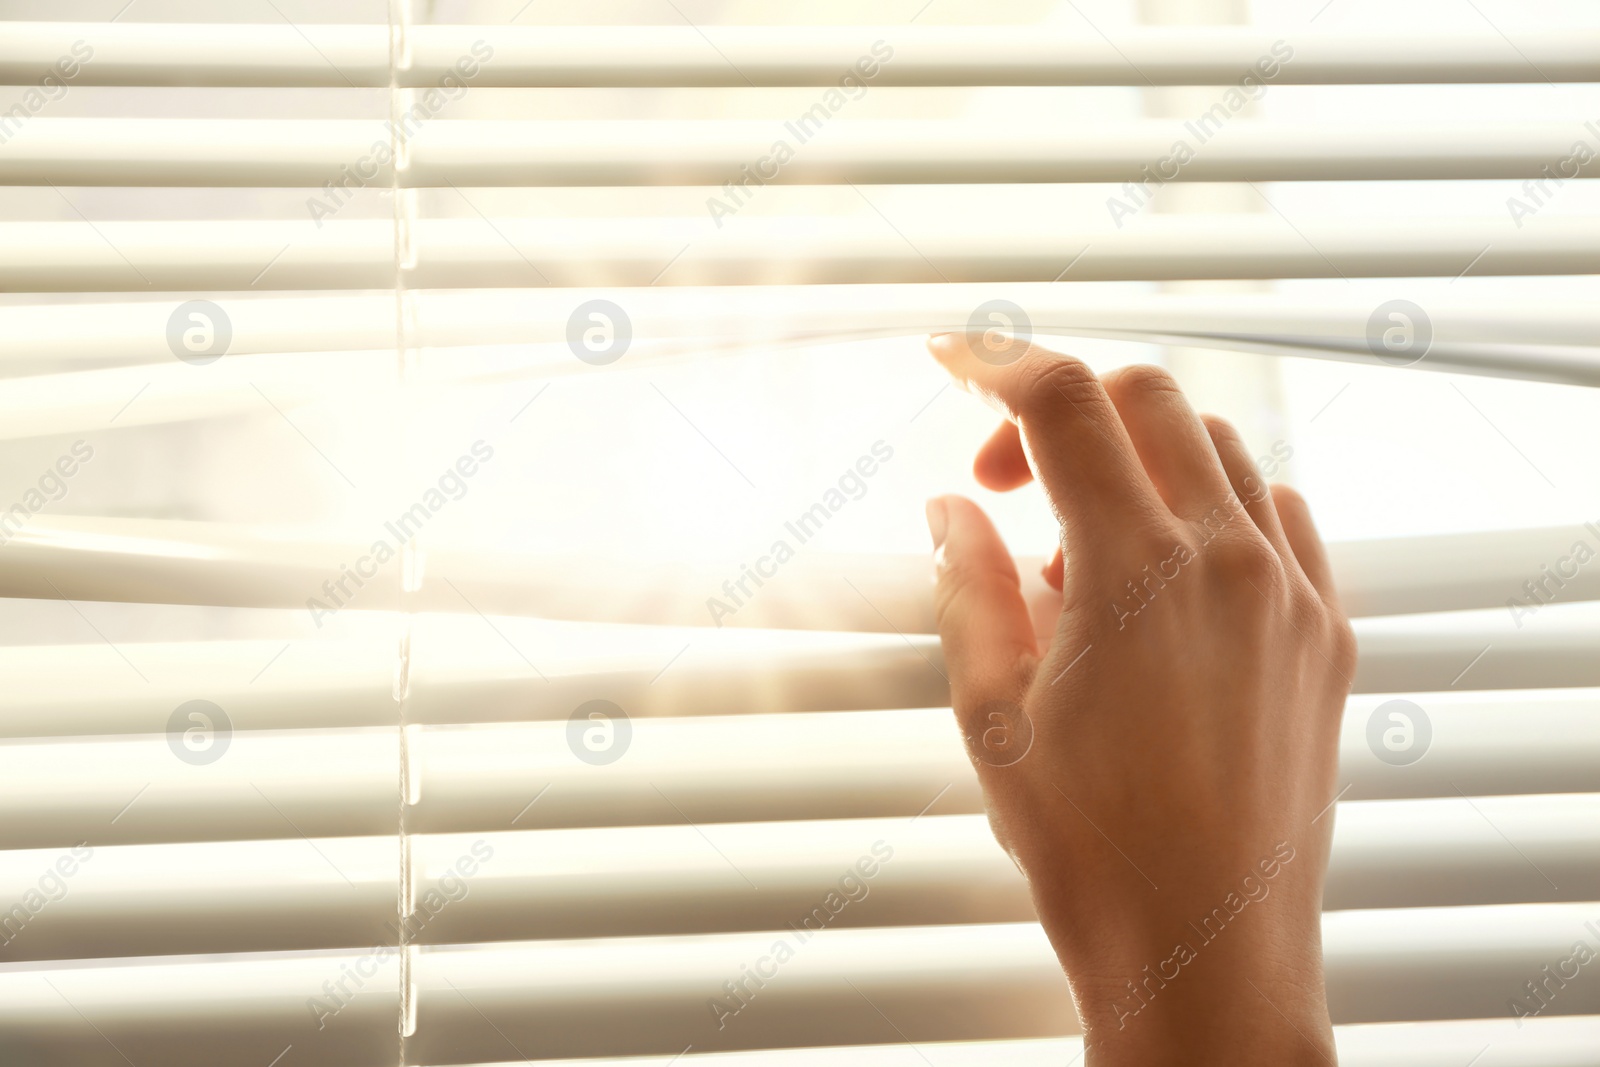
(1176, 735)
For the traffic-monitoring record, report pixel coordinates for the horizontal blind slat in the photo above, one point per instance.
(1535, 1042)
(469, 152)
(129, 53)
(499, 885)
(648, 995)
(187, 562)
(1384, 965)
(452, 318)
(123, 256)
(272, 784)
(454, 677)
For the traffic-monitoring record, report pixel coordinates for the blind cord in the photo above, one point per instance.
(403, 205)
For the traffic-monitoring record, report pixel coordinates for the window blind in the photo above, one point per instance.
(303, 769)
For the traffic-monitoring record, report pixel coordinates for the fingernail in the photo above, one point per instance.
(938, 520)
(940, 341)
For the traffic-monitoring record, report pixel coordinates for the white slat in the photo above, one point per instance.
(220, 896)
(184, 562)
(454, 676)
(649, 994)
(899, 762)
(58, 692)
(621, 996)
(273, 784)
(502, 885)
(625, 996)
(1542, 1041)
(284, 784)
(120, 256)
(1481, 649)
(933, 152)
(171, 53)
(1548, 340)
(947, 869)
(472, 152)
(636, 995)
(1392, 576)
(128, 53)
(199, 1012)
(1537, 1042)
(990, 55)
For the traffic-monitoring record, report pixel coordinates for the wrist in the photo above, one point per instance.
(1197, 970)
(1180, 982)
(1253, 998)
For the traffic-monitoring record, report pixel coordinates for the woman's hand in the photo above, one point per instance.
(1163, 770)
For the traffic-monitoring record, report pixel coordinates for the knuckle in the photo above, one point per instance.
(961, 571)
(962, 578)
(1304, 608)
(1222, 431)
(1141, 379)
(1346, 651)
(1163, 541)
(1246, 557)
(1048, 385)
(1287, 498)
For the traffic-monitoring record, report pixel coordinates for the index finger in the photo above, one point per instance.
(1074, 437)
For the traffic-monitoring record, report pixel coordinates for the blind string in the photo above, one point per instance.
(403, 205)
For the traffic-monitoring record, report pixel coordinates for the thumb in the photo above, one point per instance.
(984, 625)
